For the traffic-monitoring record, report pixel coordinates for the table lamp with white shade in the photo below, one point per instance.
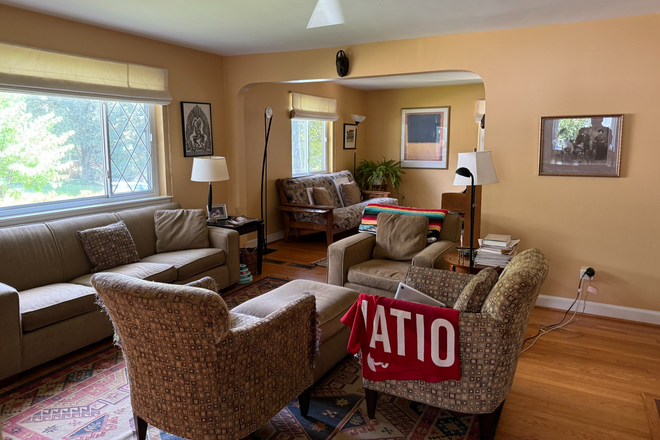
(209, 169)
(474, 168)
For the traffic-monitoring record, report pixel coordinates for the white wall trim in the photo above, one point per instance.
(608, 310)
(272, 237)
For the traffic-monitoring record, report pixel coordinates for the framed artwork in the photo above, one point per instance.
(197, 130)
(350, 136)
(425, 137)
(583, 146)
(218, 212)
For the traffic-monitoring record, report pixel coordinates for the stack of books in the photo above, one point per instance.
(496, 250)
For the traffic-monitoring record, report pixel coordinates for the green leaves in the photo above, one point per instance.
(369, 173)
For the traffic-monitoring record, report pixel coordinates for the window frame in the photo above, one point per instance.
(62, 208)
(326, 147)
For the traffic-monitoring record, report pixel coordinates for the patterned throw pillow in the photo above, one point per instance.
(475, 293)
(109, 246)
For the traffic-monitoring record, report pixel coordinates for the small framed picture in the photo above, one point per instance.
(582, 146)
(350, 136)
(218, 212)
(425, 137)
(197, 130)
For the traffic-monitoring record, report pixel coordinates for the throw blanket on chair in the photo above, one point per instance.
(370, 216)
(403, 340)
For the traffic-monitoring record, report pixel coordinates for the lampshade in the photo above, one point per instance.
(358, 118)
(480, 165)
(209, 169)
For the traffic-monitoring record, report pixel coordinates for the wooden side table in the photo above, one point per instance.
(374, 194)
(253, 226)
(456, 265)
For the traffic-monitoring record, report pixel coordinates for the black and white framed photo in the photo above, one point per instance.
(218, 212)
(582, 146)
(350, 136)
(197, 130)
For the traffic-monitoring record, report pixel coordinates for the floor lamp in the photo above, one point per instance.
(475, 168)
(268, 120)
(357, 119)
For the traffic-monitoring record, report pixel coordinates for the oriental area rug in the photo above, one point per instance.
(90, 399)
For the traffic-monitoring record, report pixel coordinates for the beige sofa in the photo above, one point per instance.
(47, 302)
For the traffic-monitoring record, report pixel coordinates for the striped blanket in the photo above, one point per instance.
(370, 216)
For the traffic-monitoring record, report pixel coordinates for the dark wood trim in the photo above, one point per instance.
(488, 423)
(140, 427)
(304, 400)
(371, 397)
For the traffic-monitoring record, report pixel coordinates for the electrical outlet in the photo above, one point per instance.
(582, 273)
(403, 196)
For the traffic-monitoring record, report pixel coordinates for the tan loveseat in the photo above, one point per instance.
(300, 215)
(47, 302)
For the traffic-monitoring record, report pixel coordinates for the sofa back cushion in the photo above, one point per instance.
(295, 188)
(140, 223)
(29, 257)
(400, 237)
(350, 193)
(181, 229)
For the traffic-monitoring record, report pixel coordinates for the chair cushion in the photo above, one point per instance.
(180, 229)
(163, 273)
(475, 293)
(190, 262)
(350, 194)
(322, 197)
(332, 302)
(109, 246)
(381, 274)
(400, 237)
(53, 303)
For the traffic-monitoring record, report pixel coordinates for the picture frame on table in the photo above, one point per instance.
(350, 136)
(581, 146)
(197, 129)
(425, 137)
(218, 212)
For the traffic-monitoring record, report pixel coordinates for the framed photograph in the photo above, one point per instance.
(583, 146)
(218, 212)
(197, 130)
(350, 136)
(425, 137)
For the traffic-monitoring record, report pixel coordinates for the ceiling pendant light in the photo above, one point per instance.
(326, 13)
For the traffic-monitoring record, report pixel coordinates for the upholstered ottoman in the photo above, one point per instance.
(332, 302)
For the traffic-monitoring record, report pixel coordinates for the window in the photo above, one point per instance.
(58, 150)
(309, 141)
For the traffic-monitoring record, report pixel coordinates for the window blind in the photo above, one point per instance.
(30, 70)
(311, 107)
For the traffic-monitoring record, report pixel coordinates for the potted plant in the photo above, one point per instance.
(372, 175)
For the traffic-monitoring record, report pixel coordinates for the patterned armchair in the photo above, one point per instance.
(199, 371)
(490, 341)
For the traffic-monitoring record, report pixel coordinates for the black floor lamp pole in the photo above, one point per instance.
(268, 120)
(464, 172)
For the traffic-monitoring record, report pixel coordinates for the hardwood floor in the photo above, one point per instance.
(582, 388)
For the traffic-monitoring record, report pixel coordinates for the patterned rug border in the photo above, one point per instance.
(257, 283)
(323, 262)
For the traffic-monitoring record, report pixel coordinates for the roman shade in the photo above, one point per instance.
(30, 70)
(309, 107)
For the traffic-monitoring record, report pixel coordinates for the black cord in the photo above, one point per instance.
(553, 326)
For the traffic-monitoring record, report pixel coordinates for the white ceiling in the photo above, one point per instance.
(232, 27)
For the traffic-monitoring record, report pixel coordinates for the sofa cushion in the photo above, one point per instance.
(475, 293)
(190, 262)
(332, 302)
(381, 274)
(348, 217)
(162, 273)
(295, 188)
(322, 197)
(400, 237)
(109, 246)
(140, 222)
(53, 303)
(180, 229)
(350, 194)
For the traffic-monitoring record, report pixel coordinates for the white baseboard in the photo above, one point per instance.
(608, 310)
(272, 237)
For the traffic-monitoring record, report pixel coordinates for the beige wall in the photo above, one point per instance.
(257, 98)
(193, 76)
(422, 188)
(608, 66)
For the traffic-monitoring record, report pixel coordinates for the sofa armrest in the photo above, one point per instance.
(443, 285)
(348, 252)
(228, 241)
(433, 255)
(11, 332)
(313, 209)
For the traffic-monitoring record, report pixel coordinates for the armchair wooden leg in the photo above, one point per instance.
(304, 399)
(140, 427)
(488, 423)
(371, 397)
